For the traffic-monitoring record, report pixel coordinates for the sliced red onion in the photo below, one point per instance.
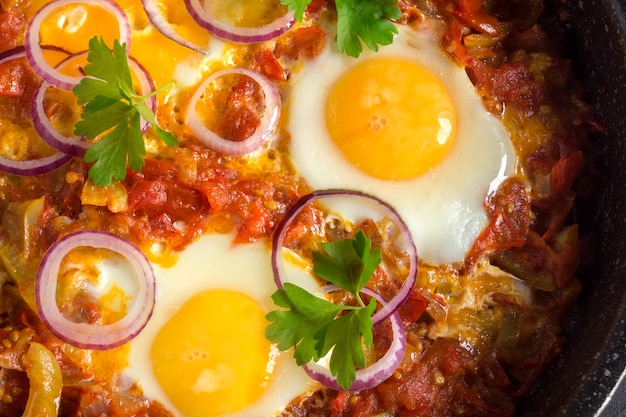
(74, 145)
(34, 166)
(85, 335)
(151, 7)
(377, 372)
(269, 119)
(20, 52)
(11, 54)
(34, 52)
(31, 166)
(238, 34)
(280, 275)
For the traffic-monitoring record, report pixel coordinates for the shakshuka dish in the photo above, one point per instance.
(284, 208)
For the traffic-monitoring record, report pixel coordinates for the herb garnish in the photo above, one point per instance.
(358, 20)
(111, 102)
(314, 325)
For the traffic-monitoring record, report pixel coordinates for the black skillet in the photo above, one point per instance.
(589, 379)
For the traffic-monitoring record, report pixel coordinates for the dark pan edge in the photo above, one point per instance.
(588, 379)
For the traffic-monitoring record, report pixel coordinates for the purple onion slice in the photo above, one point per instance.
(85, 335)
(280, 274)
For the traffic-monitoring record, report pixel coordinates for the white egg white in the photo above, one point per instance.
(214, 262)
(444, 207)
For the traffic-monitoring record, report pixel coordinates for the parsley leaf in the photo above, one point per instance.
(110, 154)
(358, 21)
(348, 263)
(367, 21)
(317, 327)
(111, 105)
(307, 317)
(343, 335)
(297, 7)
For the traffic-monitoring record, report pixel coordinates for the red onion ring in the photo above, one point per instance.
(34, 52)
(11, 54)
(377, 372)
(269, 120)
(238, 34)
(20, 52)
(278, 267)
(74, 145)
(31, 166)
(151, 7)
(85, 335)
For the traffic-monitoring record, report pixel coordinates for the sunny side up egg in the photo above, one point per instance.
(215, 292)
(204, 352)
(406, 125)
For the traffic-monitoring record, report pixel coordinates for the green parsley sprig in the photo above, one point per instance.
(112, 104)
(314, 325)
(358, 21)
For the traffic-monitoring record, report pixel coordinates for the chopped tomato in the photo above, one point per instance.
(472, 14)
(451, 363)
(565, 170)
(12, 24)
(257, 224)
(503, 84)
(509, 223)
(18, 80)
(147, 195)
(162, 207)
(413, 308)
(339, 404)
(307, 42)
(267, 64)
(316, 6)
(241, 116)
(11, 74)
(216, 192)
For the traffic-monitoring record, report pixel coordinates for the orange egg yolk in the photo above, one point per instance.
(71, 27)
(153, 50)
(247, 13)
(391, 118)
(212, 357)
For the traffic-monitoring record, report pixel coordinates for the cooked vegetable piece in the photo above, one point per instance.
(44, 374)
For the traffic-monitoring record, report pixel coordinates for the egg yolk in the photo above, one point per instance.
(212, 357)
(152, 49)
(247, 13)
(391, 118)
(71, 26)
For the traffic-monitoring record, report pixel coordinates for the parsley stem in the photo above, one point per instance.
(358, 307)
(155, 92)
(360, 301)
